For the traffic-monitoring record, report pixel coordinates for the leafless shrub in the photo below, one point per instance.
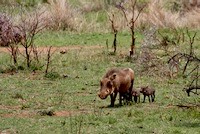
(155, 50)
(114, 30)
(194, 84)
(191, 59)
(10, 36)
(130, 21)
(188, 57)
(30, 25)
(152, 45)
(8, 32)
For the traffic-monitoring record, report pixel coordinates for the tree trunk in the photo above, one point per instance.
(27, 57)
(115, 42)
(132, 51)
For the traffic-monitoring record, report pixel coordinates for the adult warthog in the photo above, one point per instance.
(116, 81)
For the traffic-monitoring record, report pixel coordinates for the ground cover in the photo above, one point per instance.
(67, 101)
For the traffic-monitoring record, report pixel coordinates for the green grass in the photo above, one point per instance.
(64, 38)
(25, 95)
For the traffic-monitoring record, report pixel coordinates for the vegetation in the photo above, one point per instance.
(57, 91)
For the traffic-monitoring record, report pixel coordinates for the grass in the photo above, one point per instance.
(65, 100)
(27, 98)
(64, 38)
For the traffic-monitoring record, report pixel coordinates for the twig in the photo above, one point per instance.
(187, 106)
(189, 90)
(48, 59)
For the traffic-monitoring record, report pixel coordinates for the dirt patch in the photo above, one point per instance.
(62, 49)
(23, 114)
(70, 113)
(9, 107)
(30, 114)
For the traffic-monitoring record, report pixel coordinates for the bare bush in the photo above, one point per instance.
(30, 25)
(194, 83)
(10, 36)
(190, 66)
(188, 57)
(112, 19)
(8, 32)
(131, 18)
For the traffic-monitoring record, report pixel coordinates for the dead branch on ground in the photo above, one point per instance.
(188, 106)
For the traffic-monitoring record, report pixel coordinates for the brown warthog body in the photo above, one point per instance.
(148, 91)
(136, 95)
(117, 80)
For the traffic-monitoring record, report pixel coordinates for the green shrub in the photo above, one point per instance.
(52, 75)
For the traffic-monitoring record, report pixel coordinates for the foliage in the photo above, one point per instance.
(52, 75)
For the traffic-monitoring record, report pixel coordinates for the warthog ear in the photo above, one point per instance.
(113, 76)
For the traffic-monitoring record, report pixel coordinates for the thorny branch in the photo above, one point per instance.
(191, 57)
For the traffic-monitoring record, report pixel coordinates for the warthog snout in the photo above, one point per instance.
(102, 95)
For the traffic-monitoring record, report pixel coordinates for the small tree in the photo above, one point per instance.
(115, 31)
(10, 36)
(131, 22)
(31, 24)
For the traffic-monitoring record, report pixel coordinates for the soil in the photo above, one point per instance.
(62, 49)
(17, 112)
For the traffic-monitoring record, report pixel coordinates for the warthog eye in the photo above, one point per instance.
(107, 90)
